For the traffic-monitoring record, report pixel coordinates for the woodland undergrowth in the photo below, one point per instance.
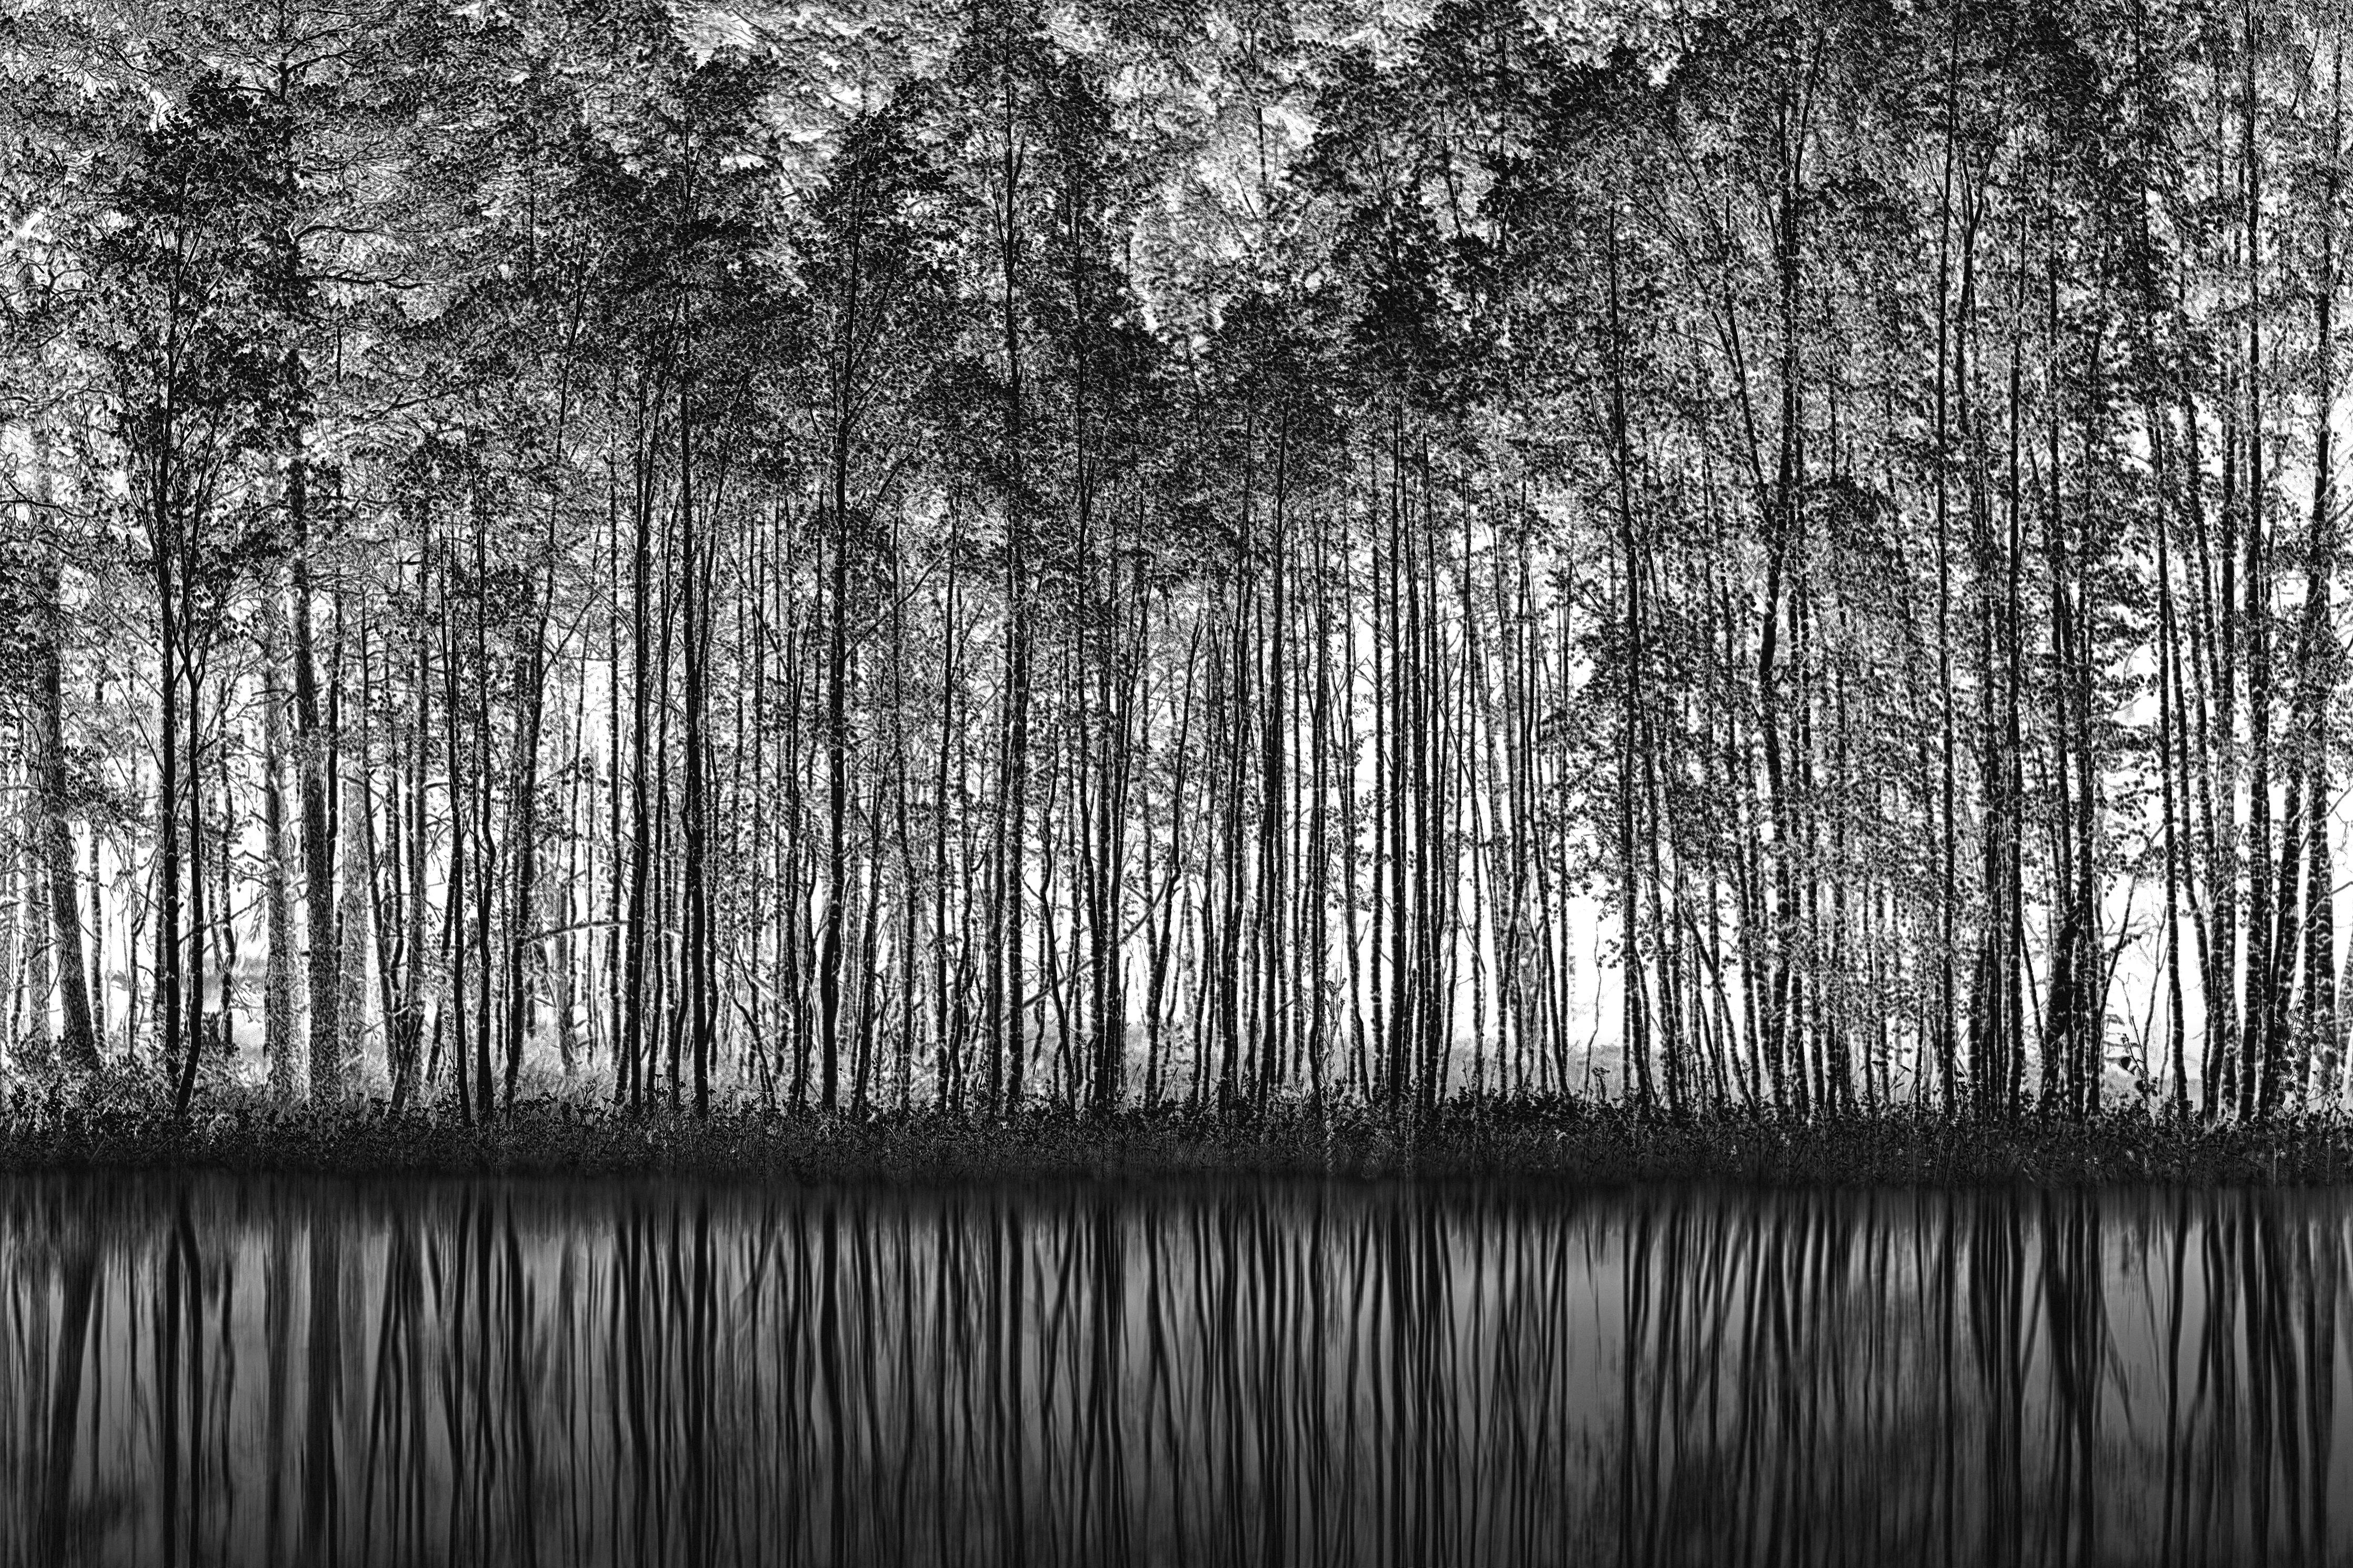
(127, 1121)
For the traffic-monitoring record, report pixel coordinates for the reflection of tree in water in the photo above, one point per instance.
(287, 1371)
(2057, 1377)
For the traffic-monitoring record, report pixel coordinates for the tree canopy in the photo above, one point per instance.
(1768, 555)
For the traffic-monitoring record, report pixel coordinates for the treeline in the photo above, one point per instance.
(1776, 556)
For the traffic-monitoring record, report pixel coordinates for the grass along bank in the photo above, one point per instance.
(130, 1126)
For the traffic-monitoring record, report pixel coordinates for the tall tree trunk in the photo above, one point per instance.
(77, 1041)
(315, 752)
(277, 1004)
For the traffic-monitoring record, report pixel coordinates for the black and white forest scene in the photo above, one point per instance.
(1040, 784)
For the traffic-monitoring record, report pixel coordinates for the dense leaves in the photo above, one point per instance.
(1750, 557)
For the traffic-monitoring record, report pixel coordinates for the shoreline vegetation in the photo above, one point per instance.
(1570, 1140)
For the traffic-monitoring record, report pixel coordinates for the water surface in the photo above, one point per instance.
(214, 1370)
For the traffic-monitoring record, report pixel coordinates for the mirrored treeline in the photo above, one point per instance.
(208, 1368)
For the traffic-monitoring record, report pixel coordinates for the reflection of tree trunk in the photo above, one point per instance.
(2077, 1313)
(321, 1388)
(278, 1304)
(179, 1332)
(65, 1403)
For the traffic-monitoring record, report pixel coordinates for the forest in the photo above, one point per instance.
(1098, 554)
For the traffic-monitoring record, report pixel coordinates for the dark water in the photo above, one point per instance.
(223, 1371)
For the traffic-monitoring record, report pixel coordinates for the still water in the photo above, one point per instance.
(214, 1370)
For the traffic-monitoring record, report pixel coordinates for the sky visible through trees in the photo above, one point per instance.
(980, 555)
